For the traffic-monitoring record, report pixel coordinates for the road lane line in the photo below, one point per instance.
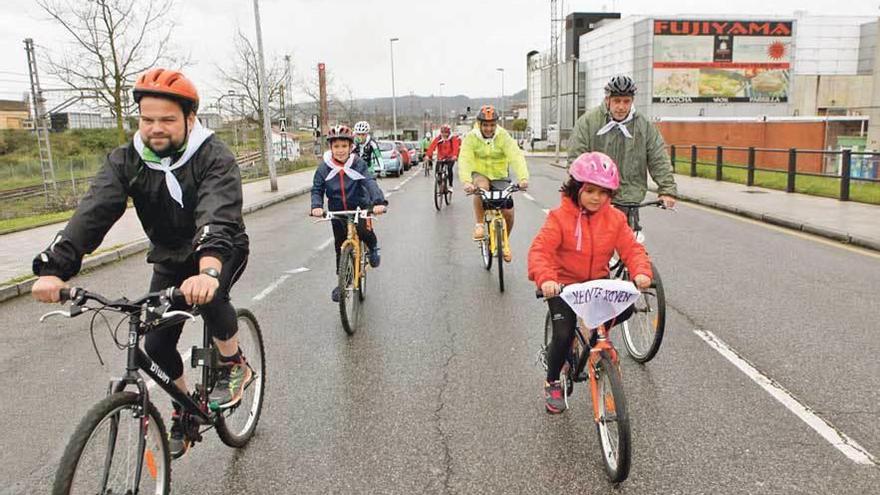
(274, 285)
(528, 196)
(301, 269)
(324, 244)
(829, 432)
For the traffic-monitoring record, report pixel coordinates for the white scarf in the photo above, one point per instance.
(197, 137)
(335, 169)
(620, 125)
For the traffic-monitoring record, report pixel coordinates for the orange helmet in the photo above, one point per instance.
(487, 112)
(168, 83)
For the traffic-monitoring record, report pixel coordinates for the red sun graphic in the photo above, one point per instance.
(776, 50)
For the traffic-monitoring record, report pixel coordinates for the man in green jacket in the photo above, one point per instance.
(614, 128)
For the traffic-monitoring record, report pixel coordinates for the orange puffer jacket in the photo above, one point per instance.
(575, 246)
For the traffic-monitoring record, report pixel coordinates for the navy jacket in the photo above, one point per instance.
(343, 192)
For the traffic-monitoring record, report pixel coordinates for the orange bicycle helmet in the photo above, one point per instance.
(168, 83)
(487, 113)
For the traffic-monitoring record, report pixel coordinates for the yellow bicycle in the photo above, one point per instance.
(352, 269)
(495, 239)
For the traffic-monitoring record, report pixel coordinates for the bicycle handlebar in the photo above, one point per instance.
(162, 300)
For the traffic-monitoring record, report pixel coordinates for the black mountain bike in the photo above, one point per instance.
(442, 189)
(121, 445)
(643, 332)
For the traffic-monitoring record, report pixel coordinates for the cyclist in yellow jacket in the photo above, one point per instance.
(487, 153)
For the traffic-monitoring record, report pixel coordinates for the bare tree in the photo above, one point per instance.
(242, 76)
(113, 41)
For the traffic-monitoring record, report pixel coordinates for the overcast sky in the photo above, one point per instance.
(458, 42)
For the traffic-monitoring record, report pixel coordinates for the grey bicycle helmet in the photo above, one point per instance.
(620, 85)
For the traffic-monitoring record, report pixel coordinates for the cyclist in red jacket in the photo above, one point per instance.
(447, 146)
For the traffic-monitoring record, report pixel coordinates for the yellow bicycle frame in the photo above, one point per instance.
(355, 241)
(491, 218)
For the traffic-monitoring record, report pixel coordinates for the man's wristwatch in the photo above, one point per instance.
(211, 272)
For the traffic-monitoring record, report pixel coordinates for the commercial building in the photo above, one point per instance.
(726, 66)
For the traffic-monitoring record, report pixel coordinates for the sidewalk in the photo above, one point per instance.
(17, 250)
(844, 221)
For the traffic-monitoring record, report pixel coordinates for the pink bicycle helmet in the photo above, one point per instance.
(596, 168)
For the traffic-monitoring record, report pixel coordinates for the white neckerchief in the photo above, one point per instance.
(197, 136)
(335, 169)
(620, 125)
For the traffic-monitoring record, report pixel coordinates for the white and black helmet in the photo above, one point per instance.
(362, 127)
(620, 85)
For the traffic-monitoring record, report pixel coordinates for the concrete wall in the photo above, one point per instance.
(814, 93)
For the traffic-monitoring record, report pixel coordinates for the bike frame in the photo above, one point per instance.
(354, 241)
(603, 344)
(137, 361)
(491, 218)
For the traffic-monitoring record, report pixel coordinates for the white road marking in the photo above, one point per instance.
(274, 285)
(324, 244)
(546, 211)
(528, 196)
(301, 269)
(829, 432)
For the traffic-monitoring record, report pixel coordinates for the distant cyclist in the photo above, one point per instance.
(366, 147)
(447, 146)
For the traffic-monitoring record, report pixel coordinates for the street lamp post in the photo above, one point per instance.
(501, 70)
(442, 113)
(264, 103)
(393, 94)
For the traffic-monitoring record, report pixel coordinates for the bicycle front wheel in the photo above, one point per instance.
(643, 332)
(349, 303)
(438, 192)
(236, 425)
(103, 455)
(499, 252)
(613, 424)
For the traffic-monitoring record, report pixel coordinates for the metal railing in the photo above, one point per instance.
(843, 160)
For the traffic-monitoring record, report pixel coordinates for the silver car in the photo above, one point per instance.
(391, 162)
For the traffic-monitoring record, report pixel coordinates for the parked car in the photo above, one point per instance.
(414, 152)
(405, 156)
(391, 162)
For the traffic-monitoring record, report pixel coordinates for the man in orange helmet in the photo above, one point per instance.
(186, 189)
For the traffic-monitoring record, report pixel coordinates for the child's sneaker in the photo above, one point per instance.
(374, 257)
(555, 400)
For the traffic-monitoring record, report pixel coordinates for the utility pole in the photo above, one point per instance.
(289, 86)
(322, 93)
(283, 121)
(501, 70)
(556, 16)
(264, 103)
(393, 95)
(40, 122)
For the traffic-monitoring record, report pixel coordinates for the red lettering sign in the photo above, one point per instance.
(716, 28)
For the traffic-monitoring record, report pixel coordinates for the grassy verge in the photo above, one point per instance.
(11, 225)
(829, 187)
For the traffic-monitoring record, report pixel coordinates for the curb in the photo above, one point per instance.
(14, 290)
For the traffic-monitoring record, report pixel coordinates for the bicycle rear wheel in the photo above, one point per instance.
(362, 286)
(236, 425)
(349, 303)
(103, 454)
(643, 332)
(613, 424)
(499, 252)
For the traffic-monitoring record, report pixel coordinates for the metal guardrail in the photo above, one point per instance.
(845, 173)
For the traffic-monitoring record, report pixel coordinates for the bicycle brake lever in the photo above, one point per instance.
(169, 314)
(74, 311)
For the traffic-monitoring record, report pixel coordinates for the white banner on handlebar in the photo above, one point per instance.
(598, 301)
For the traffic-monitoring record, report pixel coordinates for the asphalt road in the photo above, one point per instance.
(440, 391)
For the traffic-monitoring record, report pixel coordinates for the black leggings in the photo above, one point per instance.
(219, 314)
(340, 234)
(449, 165)
(564, 323)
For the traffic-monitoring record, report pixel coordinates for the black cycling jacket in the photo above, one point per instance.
(210, 222)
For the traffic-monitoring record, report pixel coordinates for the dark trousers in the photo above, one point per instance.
(564, 323)
(340, 233)
(219, 314)
(449, 165)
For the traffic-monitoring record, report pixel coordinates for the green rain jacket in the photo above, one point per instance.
(644, 153)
